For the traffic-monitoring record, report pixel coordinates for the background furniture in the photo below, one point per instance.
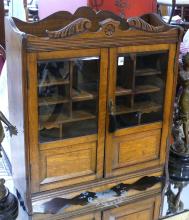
(131, 8)
(48, 7)
(92, 102)
(174, 3)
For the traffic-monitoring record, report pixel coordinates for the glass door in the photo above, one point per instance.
(69, 89)
(68, 92)
(137, 101)
(140, 88)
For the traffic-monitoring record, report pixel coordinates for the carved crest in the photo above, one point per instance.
(139, 23)
(80, 25)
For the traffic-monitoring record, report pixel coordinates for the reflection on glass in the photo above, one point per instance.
(68, 98)
(140, 88)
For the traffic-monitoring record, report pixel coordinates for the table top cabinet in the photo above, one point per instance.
(91, 95)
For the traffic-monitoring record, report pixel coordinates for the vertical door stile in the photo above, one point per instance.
(33, 121)
(102, 110)
(111, 97)
(167, 103)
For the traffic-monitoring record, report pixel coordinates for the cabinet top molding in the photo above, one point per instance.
(85, 26)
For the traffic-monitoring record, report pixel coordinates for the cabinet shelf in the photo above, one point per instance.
(54, 82)
(52, 100)
(63, 118)
(82, 95)
(143, 107)
(147, 72)
(146, 89)
(122, 91)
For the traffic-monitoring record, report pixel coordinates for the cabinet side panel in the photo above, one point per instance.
(17, 107)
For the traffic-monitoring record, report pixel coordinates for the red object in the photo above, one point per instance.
(132, 7)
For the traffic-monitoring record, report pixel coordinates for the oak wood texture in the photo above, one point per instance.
(44, 170)
(145, 210)
(91, 216)
(76, 27)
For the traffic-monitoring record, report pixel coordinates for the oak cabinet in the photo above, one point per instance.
(91, 95)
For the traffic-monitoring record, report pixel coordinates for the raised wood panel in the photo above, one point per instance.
(142, 210)
(68, 162)
(133, 152)
(136, 148)
(92, 216)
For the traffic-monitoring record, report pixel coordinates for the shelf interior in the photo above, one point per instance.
(142, 107)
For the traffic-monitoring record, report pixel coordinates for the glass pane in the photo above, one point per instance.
(140, 88)
(68, 98)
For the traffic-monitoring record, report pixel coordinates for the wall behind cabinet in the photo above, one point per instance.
(47, 7)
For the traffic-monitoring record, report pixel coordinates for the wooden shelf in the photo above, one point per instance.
(52, 100)
(143, 107)
(122, 91)
(146, 89)
(147, 72)
(82, 95)
(62, 118)
(55, 82)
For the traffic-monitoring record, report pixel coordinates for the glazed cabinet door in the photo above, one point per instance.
(143, 210)
(67, 107)
(139, 100)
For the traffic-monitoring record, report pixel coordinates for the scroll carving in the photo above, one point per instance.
(78, 26)
(140, 24)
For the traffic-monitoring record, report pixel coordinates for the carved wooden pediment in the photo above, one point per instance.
(140, 24)
(80, 25)
(64, 24)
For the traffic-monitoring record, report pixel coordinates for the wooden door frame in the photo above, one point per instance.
(165, 125)
(34, 146)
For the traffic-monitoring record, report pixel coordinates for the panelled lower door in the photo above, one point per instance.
(147, 209)
(139, 100)
(67, 110)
